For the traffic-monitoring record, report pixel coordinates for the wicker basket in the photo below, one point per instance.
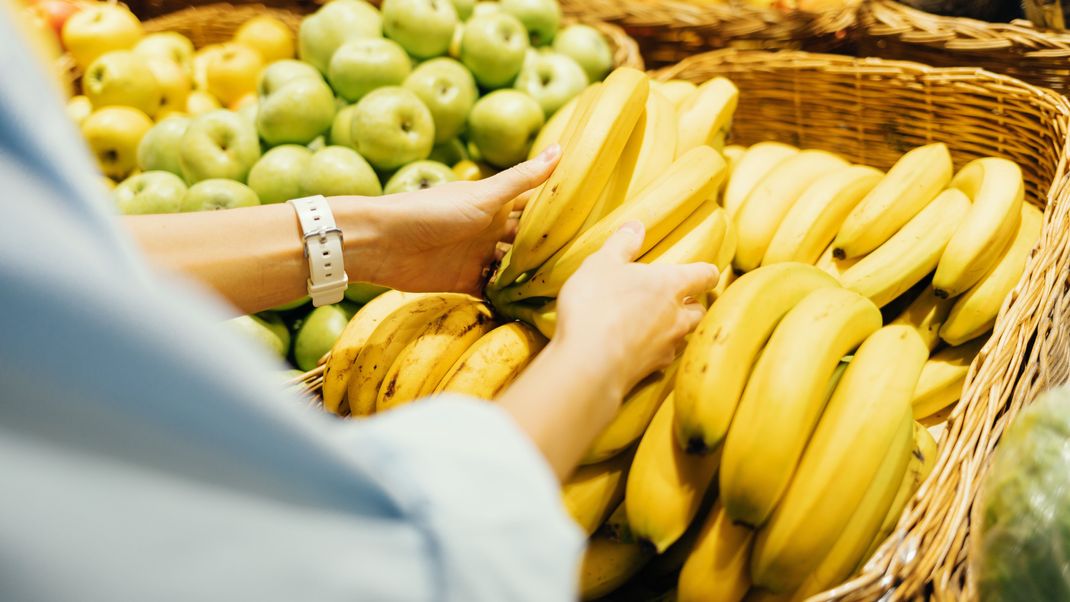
(871, 110)
(892, 30)
(669, 31)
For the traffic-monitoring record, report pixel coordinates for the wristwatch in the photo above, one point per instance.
(327, 279)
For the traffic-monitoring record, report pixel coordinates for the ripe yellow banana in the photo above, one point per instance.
(612, 558)
(676, 90)
(834, 267)
(340, 365)
(728, 247)
(554, 130)
(719, 355)
(717, 569)
(942, 379)
(634, 416)
(706, 115)
(867, 419)
(996, 189)
(915, 180)
(770, 200)
(697, 238)
(849, 548)
(392, 334)
(755, 163)
(493, 362)
(926, 314)
(660, 207)
(791, 382)
(812, 222)
(728, 276)
(594, 491)
(974, 312)
(543, 317)
(911, 253)
(562, 204)
(421, 365)
(665, 485)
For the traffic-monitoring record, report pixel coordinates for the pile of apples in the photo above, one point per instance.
(358, 101)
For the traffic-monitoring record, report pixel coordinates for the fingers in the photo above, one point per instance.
(493, 192)
(624, 245)
(694, 279)
(521, 201)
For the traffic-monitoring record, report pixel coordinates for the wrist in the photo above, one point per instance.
(593, 361)
(364, 244)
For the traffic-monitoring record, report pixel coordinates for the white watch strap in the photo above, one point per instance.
(327, 279)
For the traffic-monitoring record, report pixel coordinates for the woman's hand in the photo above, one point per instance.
(441, 239)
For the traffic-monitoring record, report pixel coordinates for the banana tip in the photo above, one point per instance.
(697, 446)
(940, 293)
(839, 253)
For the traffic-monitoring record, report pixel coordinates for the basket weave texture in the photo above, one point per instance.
(871, 110)
(892, 30)
(669, 31)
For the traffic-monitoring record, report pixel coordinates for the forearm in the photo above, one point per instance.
(564, 399)
(255, 256)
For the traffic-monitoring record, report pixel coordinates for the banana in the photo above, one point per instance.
(493, 362)
(812, 222)
(974, 312)
(719, 354)
(728, 276)
(698, 238)
(594, 491)
(862, 527)
(665, 485)
(834, 267)
(612, 558)
(340, 365)
(716, 570)
(421, 365)
(543, 317)
(660, 207)
(554, 130)
(996, 190)
(911, 253)
(867, 419)
(942, 379)
(562, 204)
(926, 314)
(392, 334)
(634, 416)
(758, 161)
(706, 115)
(791, 382)
(676, 90)
(915, 180)
(770, 200)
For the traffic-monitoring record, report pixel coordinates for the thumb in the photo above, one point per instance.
(493, 192)
(624, 244)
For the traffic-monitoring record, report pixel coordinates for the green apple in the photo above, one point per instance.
(342, 127)
(319, 331)
(503, 125)
(150, 192)
(218, 144)
(169, 45)
(332, 25)
(493, 49)
(276, 177)
(464, 8)
(449, 92)
(218, 193)
(540, 17)
(455, 41)
(159, 148)
(122, 78)
(318, 143)
(297, 111)
(485, 7)
(424, 28)
(275, 324)
(392, 127)
(588, 47)
(338, 171)
(552, 79)
(362, 292)
(450, 152)
(275, 75)
(292, 305)
(249, 111)
(360, 66)
(264, 331)
(419, 175)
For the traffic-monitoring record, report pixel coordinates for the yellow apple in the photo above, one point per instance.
(269, 36)
(232, 72)
(121, 77)
(174, 83)
(98, 29)
(170, 45)
(244, 101)
(78, 108)
(199, 65)
(113, 134)
(164, 114)
(200, 101)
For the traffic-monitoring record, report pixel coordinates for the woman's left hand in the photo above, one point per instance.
(442, 238)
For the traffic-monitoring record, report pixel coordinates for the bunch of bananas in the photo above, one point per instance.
(632, 150)
(403, 346)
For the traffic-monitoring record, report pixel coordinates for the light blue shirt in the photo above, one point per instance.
(147, 455)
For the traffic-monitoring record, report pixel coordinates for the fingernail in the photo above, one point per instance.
(550, 153)
(634, 227)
